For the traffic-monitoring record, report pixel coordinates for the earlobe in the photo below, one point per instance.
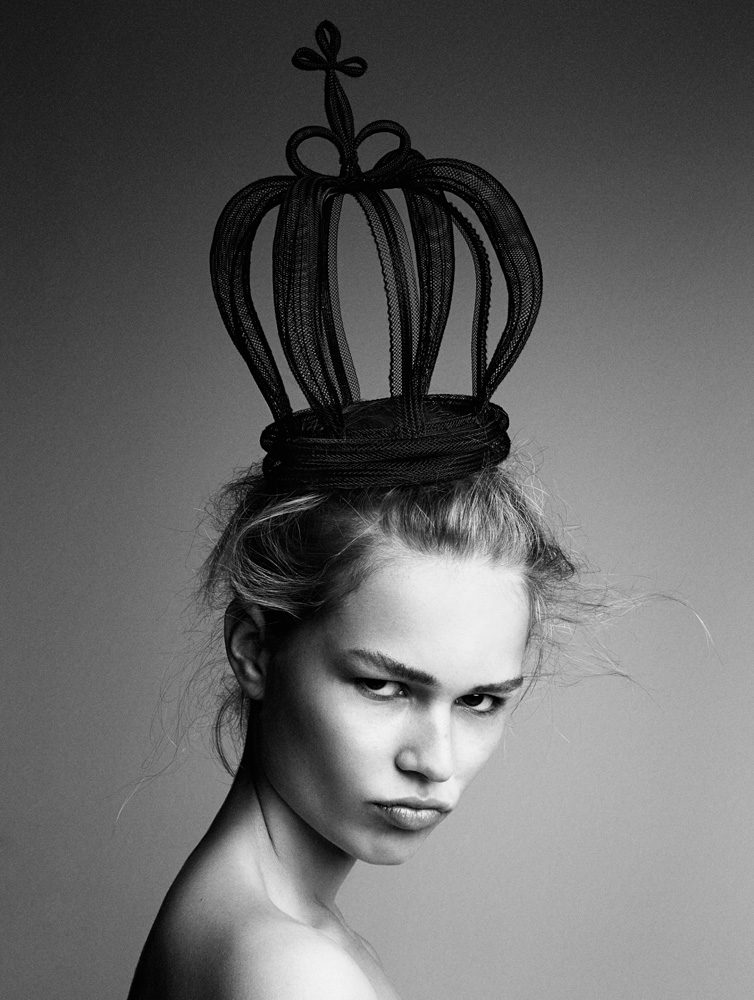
(246, 647)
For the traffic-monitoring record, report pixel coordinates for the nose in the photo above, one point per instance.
(427, 746)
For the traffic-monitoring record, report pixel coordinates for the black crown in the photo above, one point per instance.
(341, 441)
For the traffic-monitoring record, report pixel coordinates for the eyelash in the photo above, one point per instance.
(362, 683)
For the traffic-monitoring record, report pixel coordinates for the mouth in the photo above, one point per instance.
(413, 814)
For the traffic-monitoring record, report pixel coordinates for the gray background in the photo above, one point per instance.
(606, 853)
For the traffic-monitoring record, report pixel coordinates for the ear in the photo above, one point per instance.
(246, 647)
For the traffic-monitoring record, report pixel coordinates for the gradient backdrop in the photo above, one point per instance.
(606, 855)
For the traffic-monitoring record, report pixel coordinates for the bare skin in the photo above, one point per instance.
(341, 732)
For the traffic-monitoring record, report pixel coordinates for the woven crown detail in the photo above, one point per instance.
(341, 441)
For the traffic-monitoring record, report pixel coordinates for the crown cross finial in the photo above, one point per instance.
(337, 106)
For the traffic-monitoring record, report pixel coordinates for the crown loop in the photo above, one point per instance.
(311, 132)
(394, 159)
(328, 39)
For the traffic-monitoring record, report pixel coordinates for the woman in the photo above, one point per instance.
(377, 642)
(387, 584)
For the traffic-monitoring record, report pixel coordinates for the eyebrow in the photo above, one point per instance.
(402, 672)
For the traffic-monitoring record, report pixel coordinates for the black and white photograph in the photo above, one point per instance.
(377, 447)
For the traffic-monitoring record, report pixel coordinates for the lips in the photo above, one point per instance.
(413, 814)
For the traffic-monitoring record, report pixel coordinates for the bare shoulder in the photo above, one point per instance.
(282, 960)
(261, 956)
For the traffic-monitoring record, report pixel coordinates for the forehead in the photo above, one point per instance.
(454, 617)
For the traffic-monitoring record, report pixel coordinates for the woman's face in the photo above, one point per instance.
(376, 718)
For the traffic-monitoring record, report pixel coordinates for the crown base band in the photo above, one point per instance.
(375, 448)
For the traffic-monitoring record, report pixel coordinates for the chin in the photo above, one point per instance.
(389, 851)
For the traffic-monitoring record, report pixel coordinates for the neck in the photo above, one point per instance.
(300, 870)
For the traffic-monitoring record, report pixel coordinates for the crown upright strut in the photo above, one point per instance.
(342, 442)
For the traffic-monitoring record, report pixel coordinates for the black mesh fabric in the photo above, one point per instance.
(342, 442)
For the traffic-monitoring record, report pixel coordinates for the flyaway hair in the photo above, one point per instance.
(342, 442)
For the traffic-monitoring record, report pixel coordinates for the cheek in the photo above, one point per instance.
(323, 739)
(353, 746)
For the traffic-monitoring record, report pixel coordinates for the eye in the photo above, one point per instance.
(379, 690)
(483, 704)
